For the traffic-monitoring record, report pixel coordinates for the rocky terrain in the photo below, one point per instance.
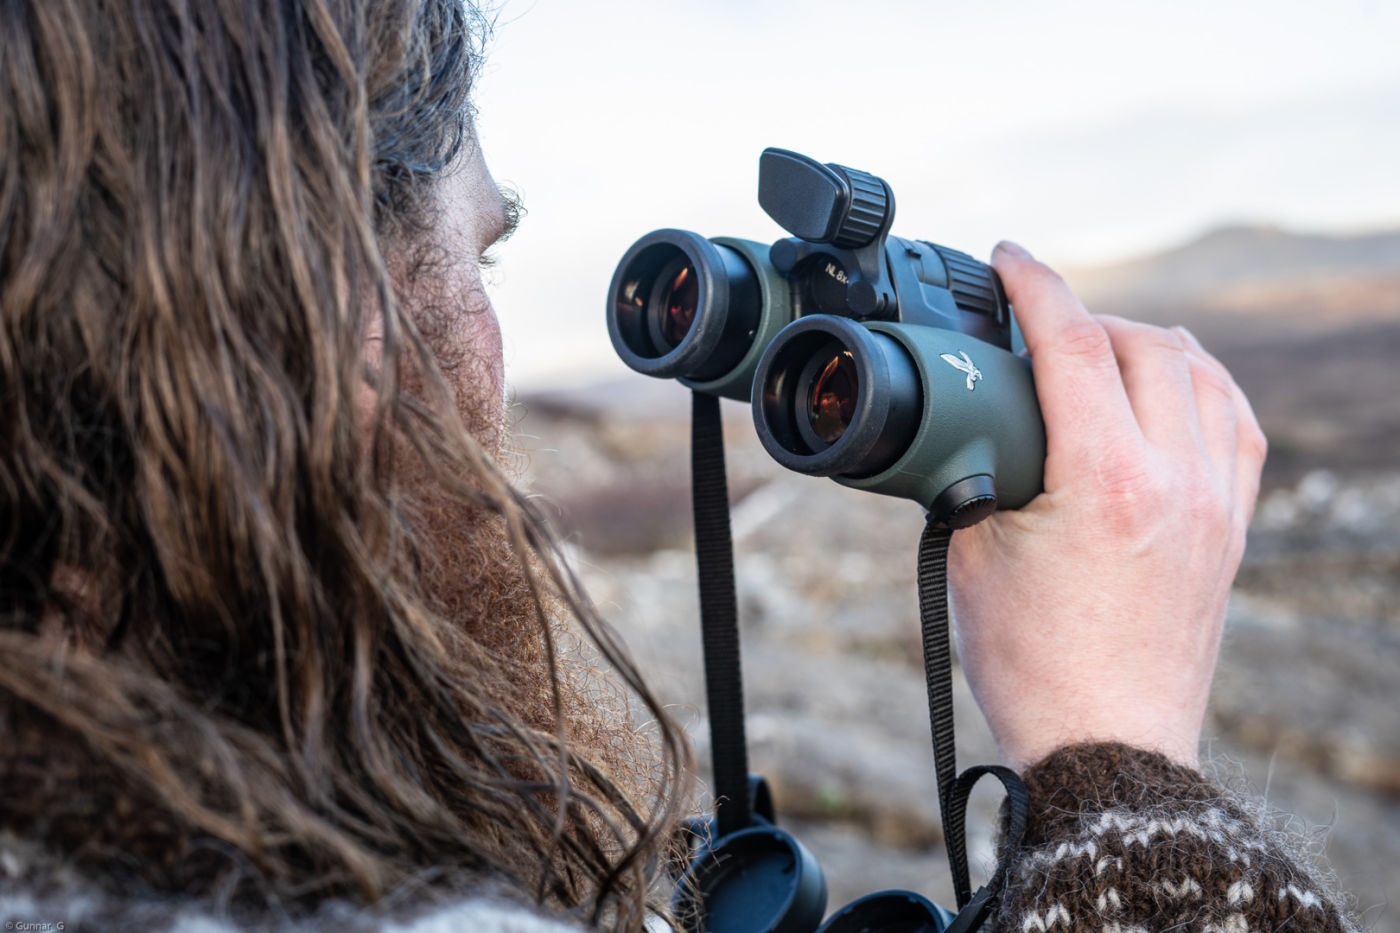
(1304, 711)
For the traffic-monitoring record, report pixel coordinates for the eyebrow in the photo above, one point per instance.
(511, 213)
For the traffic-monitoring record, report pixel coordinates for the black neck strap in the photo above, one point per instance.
(714, 551)
(719, 615)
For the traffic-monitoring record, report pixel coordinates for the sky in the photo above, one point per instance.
(1086, 130)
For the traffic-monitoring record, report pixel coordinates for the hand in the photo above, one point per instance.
(1095, 612)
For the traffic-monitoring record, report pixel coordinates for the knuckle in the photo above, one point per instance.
(1087, 341)
(1171, 338)
(1159, 340)
(1206, 505)
(1139, 498)
(1189, 343)
(1131, 493)
(1143, 342)
(1213, 381)
(1255, 442)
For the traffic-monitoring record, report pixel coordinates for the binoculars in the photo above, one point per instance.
(890, 365)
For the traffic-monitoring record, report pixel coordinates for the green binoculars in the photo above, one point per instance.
(890, 365)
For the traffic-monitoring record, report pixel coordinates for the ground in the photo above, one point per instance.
(1303, 710)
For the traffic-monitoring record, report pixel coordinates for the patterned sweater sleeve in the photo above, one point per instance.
(1122, 840)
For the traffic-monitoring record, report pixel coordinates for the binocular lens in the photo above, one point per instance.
(680, 298)
(681, 306)
(832, 402)
(833, 398)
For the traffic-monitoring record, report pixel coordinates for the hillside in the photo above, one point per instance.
(1309, 325)
(1258, 269)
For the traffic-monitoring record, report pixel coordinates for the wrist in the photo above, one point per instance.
(1029, 724)
(1178, 748)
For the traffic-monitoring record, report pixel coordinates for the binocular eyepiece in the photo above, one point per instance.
(837, 398)
(887, 364)
(684, 307)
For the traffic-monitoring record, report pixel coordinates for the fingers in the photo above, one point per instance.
(1082, 397)
(1183, 397)
(1157, 378)
(1251, 447)
(1106, 383)
(1190, 408)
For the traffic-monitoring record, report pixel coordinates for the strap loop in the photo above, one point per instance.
(954, 789)
(1018, 807)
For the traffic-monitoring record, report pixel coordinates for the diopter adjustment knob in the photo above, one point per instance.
(974, 284)
(865, 214)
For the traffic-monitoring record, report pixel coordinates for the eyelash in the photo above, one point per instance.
(488, 259)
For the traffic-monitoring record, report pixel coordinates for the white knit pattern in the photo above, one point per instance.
(1235, 923)
(1129, 829)
(1304, 898)
(1187, 888)
(1234, 849)
(1040, 922)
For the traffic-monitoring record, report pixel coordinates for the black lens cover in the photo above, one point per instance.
(889, 912)
(759, 879)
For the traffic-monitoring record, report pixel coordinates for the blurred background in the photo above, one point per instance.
(1234, 167)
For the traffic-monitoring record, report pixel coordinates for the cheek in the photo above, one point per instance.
(482, 340)
(464, 337)
(478, 335)
(479, 383)
(469, 350)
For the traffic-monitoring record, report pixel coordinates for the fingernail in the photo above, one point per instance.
(1013, 249)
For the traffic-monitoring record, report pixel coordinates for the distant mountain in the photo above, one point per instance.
(1308, 324)
(1255, 269)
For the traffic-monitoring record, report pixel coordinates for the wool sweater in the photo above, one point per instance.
(1122, 840)
(1119, 841)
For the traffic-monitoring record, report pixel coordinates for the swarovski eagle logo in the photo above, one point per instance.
(964, 365)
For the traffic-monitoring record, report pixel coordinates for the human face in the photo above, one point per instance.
(474, 216)
(439, 282)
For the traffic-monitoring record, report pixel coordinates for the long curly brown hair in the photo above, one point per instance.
(258, 642)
